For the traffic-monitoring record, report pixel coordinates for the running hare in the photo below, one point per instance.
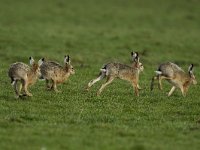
(122, 71)
(25, 74)
(53, 71)
(176, 76)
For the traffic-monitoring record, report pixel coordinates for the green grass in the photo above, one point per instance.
(95, 32)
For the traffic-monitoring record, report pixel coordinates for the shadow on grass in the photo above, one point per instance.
(13, 99)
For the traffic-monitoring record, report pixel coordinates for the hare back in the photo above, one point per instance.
(169, 69)
(120, 70)
(51, 70)
(18, 70)
(50, 66)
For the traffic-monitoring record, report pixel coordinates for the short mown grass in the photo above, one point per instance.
(93, 33)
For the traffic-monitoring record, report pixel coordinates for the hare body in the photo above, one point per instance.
(25, 75)
(176, 76)
(118, 70)
(54, 72)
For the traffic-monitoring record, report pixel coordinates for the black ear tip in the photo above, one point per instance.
(191, 66)
(43, 59)
(66, 56)
(30, 58)
(137, 54)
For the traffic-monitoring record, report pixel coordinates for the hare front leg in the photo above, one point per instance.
(160, 78)
(54, 86)
(25, 87)
(135, 85)
(109, 80)
(138, 86)
(184, 90)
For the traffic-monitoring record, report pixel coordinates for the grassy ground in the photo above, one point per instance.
(95, 32)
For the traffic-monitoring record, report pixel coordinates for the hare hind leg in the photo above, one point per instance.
(160, 78)
(14, 84)
(48, 84)
(152, 82)
(171, 91)
(54, 86)
(108, 81)
(102, 75)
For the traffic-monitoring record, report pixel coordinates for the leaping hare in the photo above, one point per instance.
(54, 72)
(176, 76)
(26, 75)
(122, 71)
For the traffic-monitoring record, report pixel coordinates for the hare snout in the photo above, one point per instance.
(72, 71)
(194, 82)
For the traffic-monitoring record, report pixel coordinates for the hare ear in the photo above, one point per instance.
(67, 59)
(31, 60)
(135, 56)
(132, 54)
(190, 69)
(40, 62)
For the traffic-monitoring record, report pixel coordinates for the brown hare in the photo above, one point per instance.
(54, 72)
(122, 71)
(26, 75)
(176, 76)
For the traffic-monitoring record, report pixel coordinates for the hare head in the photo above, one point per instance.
(35, 66)
(69, 67)
(136, 61)
(192, 76)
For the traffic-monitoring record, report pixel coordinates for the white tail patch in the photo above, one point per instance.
(158, 72)
(103, 70)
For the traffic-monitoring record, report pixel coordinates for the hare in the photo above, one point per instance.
(122, 71)
(176, 76)
(53, 71)
(26, 75)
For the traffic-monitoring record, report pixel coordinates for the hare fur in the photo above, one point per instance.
(25, 75)
(54, 72)
(176, 76)
(122, 71)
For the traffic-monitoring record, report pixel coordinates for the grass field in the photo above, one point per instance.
(95, 32)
